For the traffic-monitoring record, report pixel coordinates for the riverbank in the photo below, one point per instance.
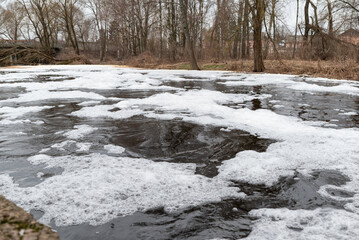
(15, 224)
(348, 70)
(327, 69)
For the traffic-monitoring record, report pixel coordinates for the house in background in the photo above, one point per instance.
(351, 35)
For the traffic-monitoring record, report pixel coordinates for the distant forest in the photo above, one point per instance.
(177, 30)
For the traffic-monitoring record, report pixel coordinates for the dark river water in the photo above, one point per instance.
(175, 141)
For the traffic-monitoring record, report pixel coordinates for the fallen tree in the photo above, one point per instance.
(24, 55)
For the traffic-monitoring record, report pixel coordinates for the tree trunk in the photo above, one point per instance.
(161, 29)
(245, 30)
(330, 18)
(271, 24)
(184, 7)
(172, 36)
(238, 32)
(307, 25)
(258, 15)
(201, 14)
(296, 31)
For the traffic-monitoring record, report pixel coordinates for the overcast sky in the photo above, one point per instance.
(288, 11)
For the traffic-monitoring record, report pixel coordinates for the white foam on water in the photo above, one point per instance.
(95, 77)
(20, 133)
(10, 115)
(61, 145)
(11, 121)
(337, 150)
(16, 112)
(292, 82)
(303, 105)
(328, 80)
(344, 88)
(98, 188)
(318, 224)
(197, 101)
(194, 97)
(110, 148)
(38, 122)
(40, 95)
(88, 103)
(301, 145)
(104, 111)
(349, 113)
(278, 106)
(83, 147)
(257, 79)
(79, 131)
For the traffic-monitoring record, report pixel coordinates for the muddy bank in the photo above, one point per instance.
(15, 223)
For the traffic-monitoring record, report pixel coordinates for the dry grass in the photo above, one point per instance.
(328, 69)
(144, 60)
(340, 69)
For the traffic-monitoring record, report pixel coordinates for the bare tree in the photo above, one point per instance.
(238, 31)
(211, 30)
(189, 42)
(296, 30)
(258, 12)
(42, 15)
(100, 12)
(68, 13)
(13, 18)
(352, 4)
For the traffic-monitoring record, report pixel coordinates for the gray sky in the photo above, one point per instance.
(289, 12)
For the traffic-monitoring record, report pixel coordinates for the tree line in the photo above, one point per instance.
(173, 30)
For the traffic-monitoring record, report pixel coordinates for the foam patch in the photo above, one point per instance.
(13, 113)
(79, 131)
(344, 88)
(114, 149)
(97, 188)
(41, 95)
(318, 224)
